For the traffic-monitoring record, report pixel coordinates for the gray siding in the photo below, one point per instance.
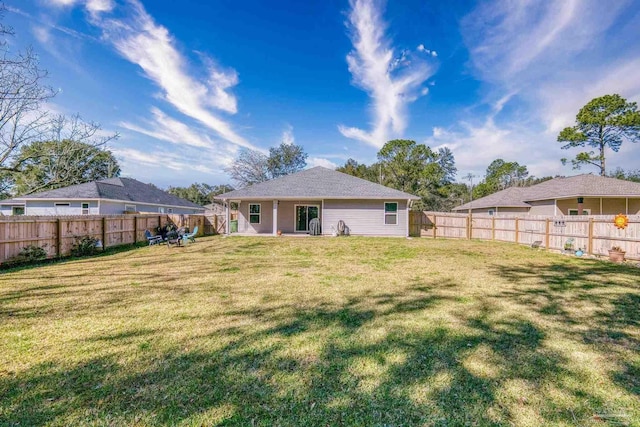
(48, 207)
(287, 215)
(364, 217)
(266, 218)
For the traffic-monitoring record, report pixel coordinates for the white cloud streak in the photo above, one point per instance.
(391, 82)
(150, 46)
(545, 60)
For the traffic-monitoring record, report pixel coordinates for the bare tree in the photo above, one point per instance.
(22, 93)
(250, 167)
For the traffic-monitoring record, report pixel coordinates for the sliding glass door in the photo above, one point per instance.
(304, 214)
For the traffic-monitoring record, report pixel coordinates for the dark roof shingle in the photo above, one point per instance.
(317, 183)
(585, 185)
(125, 189)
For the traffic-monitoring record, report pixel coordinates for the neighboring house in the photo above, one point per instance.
(574, 195)
(215, 208)
(105, 197)
(289, 203)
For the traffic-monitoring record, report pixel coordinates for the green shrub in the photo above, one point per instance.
(85, 245)
(31, 253)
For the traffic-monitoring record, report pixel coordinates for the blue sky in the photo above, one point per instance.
(187, 84)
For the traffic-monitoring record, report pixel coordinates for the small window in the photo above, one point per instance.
(161, 209)
(85, 209)
(170, 210)
(492, 212)
(391, 213)
(254, 213)
(66, 205)
(129, 208)
(17, 210)
(575, 211)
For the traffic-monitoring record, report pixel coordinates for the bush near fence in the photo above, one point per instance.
(595, 234)
(57, 235)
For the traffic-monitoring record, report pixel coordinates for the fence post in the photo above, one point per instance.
(517, 230)
(469, 227)
(135, 229)
(590, 238)
(435, 220)
(59, 242)
(493, 228)
(104, 232)
(546, 234)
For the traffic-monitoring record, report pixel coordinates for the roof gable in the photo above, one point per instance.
(125, 189)
(319, 183)
(585, 185)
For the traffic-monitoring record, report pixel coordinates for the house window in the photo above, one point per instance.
(161, 210)
(575, 211)
(254, 213)
(492, 212)
(17, 210)
(65, 205)
(391, 213)
(169, 210)
(85, 208)
(129, 208)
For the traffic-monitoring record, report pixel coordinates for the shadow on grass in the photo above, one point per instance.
(608, 293)
(324, 365)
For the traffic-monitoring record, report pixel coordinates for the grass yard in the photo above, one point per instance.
(321, 332)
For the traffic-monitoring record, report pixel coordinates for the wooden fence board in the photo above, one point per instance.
(594, 234)
(57, 235)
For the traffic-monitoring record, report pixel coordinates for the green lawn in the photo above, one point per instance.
(321, 332)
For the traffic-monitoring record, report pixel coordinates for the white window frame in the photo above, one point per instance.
(584, 212)
(384, 219)
(23, 207)
(491, 212)
(259, 213)
(82, 208)
(127, 208)
(295, 222)
(160, 209)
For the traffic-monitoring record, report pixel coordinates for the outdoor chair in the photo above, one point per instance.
(190, 236)
(153, 240)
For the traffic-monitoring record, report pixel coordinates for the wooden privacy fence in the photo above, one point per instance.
(594, 234)
(57, 235)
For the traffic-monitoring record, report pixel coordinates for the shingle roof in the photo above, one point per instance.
(125, 189)
(585, 185)
(316, 183)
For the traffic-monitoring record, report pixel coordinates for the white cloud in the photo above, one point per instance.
(150, 46)
(391, 82)
(320, 161)
(94, 7)
(544, 60)
(287, 136)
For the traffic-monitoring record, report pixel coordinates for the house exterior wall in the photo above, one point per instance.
(543, 207)
(364, 217)
(497, 211)
(49, 208)
(266, 217)
(102, 207)
(287, 213)
(634, 206)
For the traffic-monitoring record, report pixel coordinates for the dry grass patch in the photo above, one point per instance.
(321, 331)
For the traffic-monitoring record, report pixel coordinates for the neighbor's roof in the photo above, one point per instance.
(317, 183)
(585, 185)
(125, 189)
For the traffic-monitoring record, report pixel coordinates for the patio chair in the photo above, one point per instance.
(190, 236)
(153, 240)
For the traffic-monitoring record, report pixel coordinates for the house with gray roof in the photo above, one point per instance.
(105, 197)
(288, 204)
(574, 195)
